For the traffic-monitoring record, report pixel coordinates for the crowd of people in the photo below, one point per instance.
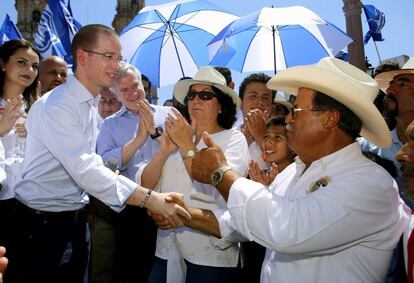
(299, 177)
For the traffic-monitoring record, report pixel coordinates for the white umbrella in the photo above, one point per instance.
(273, 39)
(169, 41)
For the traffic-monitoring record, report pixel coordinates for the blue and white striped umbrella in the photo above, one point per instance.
(169, 41)
(273, 39)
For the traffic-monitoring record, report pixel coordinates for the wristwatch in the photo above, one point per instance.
(217, 175)
(158, 132)
(190, 153)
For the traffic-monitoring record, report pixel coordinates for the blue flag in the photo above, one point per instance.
(376, 21)
(8, 30)
(56, 29)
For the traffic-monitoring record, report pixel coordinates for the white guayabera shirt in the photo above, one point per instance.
(338, 221)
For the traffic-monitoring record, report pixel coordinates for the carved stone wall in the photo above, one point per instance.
(126, 10)
(28, 16)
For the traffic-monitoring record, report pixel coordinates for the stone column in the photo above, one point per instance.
(28, 16)
(352, 10)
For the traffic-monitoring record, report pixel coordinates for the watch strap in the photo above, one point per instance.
(191, 153)
(217, 175)
(158, 133)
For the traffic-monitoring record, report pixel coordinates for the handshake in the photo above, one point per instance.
(168, 210)
(177, 214)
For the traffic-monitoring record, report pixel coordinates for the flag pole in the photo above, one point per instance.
(376, 48)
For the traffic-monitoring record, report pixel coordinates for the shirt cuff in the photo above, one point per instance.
(227, 232)
(124, 189)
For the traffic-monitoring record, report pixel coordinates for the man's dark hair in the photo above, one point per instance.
(87, 36)
(145, 78)
(348, 121)
(254, 78)
(226, 74)
(276, 121)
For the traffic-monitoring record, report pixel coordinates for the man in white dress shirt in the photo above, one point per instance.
(333, 215)
(61, 168)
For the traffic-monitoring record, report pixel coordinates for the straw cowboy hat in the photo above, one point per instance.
(346, 84)
(205, 75)
(384, 79)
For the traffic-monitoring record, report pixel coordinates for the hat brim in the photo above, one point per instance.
(285, 103)
(181, 89)
(384, 79)
(374, 127)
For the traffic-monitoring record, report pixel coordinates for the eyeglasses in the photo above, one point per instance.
(294, 111)
(108, 55)
(109, 102)
(203, 95)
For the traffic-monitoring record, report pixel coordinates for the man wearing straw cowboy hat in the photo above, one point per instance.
(399, 86)
(334, 214)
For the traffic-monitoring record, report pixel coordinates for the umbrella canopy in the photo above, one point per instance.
(273, 39)
(169, 41)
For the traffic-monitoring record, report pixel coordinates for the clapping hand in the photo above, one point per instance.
(255, 121)
(145, 111)
(179, 130)
(265, 177)
(12, 112)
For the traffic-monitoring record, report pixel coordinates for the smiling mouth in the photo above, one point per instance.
(26, 77)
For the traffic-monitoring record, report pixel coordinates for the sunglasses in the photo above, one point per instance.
(203, 95)
(294, 111)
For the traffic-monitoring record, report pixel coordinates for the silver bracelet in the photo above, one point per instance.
(147, 196)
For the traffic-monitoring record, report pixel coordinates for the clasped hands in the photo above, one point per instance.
(204, 164)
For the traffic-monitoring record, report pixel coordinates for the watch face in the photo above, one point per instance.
(159, 130)
(216, 176)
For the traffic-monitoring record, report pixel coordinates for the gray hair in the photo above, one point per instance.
(122, 71)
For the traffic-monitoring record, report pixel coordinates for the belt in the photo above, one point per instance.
(72, 215)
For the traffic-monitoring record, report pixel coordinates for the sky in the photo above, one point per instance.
(397, 32)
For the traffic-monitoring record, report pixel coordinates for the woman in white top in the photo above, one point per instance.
(19, 61)
(207, 249)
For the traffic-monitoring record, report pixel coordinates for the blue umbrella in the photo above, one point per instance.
(273, 39)
(169, 41)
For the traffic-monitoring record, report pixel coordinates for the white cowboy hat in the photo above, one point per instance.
(384, 79)
(205, 75)
(280, 99)
(346, 84)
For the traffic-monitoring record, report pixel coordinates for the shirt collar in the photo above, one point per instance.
(347, 152)
(81, 93)
(395, 138)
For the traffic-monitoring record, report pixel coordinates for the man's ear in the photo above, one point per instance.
(331, 119)
(81, 57)
(2, 67)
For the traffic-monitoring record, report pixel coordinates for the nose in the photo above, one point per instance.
(392, 88)
(289, 118)
(402, 156)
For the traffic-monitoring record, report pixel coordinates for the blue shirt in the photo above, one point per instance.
(61, 165)
(386, 153)
(119, 128)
